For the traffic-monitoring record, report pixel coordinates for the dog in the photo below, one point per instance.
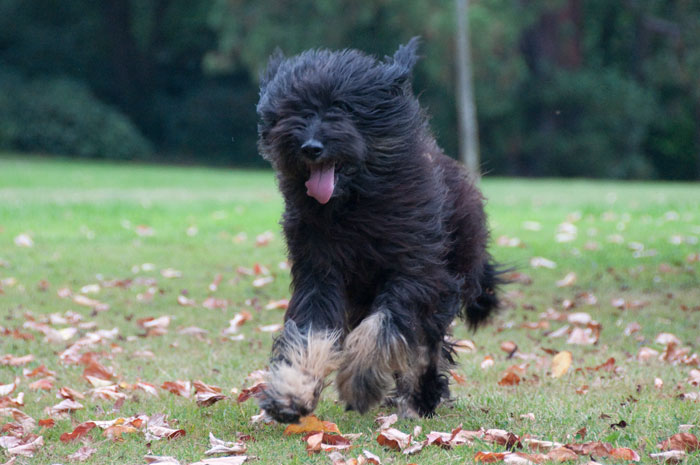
(386, 235)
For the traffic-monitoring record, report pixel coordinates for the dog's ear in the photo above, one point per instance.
(406, 56)
(273, 65)
(401, 64)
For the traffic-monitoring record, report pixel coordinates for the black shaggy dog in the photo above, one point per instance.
(386, 235)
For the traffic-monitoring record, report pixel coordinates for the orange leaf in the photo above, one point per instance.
(78, 432)
(311, 424)
(623, 453)
(47, 422)
(180, 388)
(458, 378)
(489, 457)
(509, 378)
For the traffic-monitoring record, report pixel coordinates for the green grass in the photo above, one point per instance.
(82, 218)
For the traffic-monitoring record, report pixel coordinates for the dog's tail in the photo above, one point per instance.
(486, 301)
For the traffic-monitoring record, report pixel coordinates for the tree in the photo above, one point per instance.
(468, 133)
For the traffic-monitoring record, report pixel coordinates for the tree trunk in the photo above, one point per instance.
(466, 107)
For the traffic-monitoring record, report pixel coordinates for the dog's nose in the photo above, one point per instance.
(312, 149)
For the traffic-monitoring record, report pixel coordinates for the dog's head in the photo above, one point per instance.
(325, 115)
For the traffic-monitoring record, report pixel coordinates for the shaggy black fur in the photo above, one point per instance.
(402, 235)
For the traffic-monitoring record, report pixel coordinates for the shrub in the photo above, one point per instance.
(62, 116)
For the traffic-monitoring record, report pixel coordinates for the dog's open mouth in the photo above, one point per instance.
(321, 182)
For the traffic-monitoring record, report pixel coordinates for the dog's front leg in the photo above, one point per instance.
(383, 346)
(305, 353)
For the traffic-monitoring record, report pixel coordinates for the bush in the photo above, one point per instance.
(62, 116)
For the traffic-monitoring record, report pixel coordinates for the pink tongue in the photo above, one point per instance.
(321, 183)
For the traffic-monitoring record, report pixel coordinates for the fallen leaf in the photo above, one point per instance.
(567, 280)
(27, 446)
(232, 460)
(671, 456)
(561, 363)
(65, 406)
(180, 388)
(680, 441)
(252, 391)
(459, 379)
(78, 432)
(394, 439)
(310, 424)
(385, 422)
(509, 378)
(82, 454)
(224, 447)
(489, 457)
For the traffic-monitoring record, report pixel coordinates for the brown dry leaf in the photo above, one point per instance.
(65, 406)
(539, 445)
(385, 422)
(95, 369)
(281, 304)
(14, 361)
(158, 428)
(206, 395)
(561, 454)
(672, 456)
(502, 437)
(490, 457)
(82, 454)
(79, 431)
(609, 365)
(185, 301)
(115, 432)
(44, 383)
(273, 328)
(232, 460)
(509, 347)
(40, 370)
(69, 393)
(681, 441)
(394, 439)
(26, 422)
(224, 447)
(321, 441)
(632, 328)
(47, 423)
(567, 280)
(253, 391)
(509, 378)
(311, 424)
(561, 363)
(647, 353)
(459, 379)
(667, 338)
(236, 322)
(180, 388)
(463, 346)
(582, 336)
(487, 362)
(27, 446)
(624, 453)
(7, 389)
(212, 303)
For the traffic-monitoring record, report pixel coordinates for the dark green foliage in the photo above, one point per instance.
(59, 115)
(563, 87)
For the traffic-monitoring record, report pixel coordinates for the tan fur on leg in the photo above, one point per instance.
(372, 353)
(297, 380)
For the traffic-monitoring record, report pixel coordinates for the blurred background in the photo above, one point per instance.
(593, 88)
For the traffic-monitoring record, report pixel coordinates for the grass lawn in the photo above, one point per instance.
(624, 252)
